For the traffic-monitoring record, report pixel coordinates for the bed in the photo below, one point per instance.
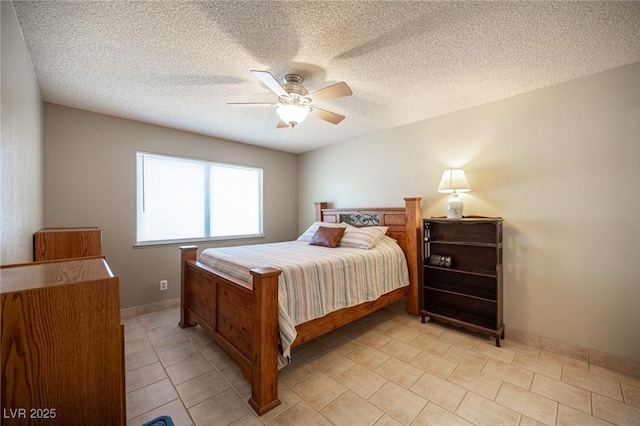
(242, 313)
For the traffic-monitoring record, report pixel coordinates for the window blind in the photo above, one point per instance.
(182, 199)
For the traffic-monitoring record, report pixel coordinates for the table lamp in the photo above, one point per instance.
(453, 182)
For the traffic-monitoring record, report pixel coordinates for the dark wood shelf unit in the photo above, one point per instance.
(469, 293)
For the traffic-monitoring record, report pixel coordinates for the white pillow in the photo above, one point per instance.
(362, 238)
(311, 231)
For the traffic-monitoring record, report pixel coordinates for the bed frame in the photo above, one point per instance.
(243, 318)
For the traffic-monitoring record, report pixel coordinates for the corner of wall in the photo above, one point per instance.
(21, 168)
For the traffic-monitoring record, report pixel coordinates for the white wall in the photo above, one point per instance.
(90, 180)
(561, 165)
(21, 147)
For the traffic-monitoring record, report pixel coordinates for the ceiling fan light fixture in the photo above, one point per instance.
(292, 114)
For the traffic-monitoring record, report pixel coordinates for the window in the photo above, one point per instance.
(181, 199)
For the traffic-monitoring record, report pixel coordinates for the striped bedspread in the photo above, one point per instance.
(315, 280)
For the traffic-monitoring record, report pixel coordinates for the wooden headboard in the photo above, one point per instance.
(404, 225)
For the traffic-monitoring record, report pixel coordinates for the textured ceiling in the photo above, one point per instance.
(177, 64)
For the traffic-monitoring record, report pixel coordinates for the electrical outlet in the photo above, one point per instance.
(164, 284)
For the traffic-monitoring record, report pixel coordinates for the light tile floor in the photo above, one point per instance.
(385, 369)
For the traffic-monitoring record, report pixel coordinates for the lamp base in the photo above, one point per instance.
(454, 207)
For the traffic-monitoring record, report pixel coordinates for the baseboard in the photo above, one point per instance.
(150, 307)
(581, 353)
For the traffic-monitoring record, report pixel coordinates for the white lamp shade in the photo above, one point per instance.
(292, 114)
(454, 181)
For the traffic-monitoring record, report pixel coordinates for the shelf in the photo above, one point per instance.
(466, 292)
(478, 272)
(464, 243)
(444, 314)
(487, 231)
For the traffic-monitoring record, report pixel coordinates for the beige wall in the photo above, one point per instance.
(90, 180)
(561, 165)
(21, 147)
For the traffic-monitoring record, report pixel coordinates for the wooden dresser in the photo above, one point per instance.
(66, 243)
(62, 353)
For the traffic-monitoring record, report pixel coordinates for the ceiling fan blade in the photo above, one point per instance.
(282, 124)
(271, 82)
(325, 115)
(255, 104)
(334, 91)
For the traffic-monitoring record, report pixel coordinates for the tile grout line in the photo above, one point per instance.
(174, 386)
(216, 369)
(167, 377)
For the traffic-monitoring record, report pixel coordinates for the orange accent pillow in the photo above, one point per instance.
(327, 237)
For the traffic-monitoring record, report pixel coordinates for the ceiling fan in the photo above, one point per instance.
(295, 102)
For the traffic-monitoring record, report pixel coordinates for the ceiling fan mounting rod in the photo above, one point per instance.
(293, 78)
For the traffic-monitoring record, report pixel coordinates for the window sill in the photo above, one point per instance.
(150, 244)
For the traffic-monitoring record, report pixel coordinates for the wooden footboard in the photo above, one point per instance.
(243, 318)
